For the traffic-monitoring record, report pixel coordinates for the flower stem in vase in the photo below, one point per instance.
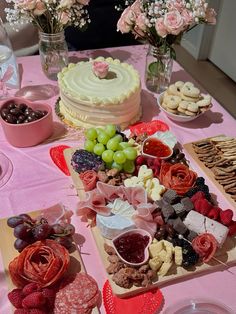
(159, 63)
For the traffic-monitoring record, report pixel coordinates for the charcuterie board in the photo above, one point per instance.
(8, 253)
(225, 256)
(208, 171)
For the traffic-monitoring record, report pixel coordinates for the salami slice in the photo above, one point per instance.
(78, 294)
(89, 179)
(43, 262)
(205, 245)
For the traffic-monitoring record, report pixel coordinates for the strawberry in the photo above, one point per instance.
(202, 206)
(140, 160)
(30, 288)
(198, 195)
(226, 216)
(16, 297)
(58, 158)
(148, 128)
(232, 228)
(49, 295)
(33, 300)
(214, 213)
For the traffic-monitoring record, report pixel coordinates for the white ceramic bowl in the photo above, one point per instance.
(129, 232)
(176, 117)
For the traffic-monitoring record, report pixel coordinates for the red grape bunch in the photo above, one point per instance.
(28, 230)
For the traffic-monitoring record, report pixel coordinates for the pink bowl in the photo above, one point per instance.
(28, 134)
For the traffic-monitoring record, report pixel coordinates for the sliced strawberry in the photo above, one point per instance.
(148, 128)
(226, 216)
(58, 158)
(232, 228)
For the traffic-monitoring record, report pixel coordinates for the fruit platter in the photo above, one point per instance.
(152, 216)
(43, 266)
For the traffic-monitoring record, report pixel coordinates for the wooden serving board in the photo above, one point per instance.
(226, 255)
(8, 253)
(208, 173)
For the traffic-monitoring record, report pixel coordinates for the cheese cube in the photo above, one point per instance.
(155, 263)
(155, 248)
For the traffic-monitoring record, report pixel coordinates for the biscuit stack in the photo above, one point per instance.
(185, 99)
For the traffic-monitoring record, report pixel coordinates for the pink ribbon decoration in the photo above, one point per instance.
(5, 78)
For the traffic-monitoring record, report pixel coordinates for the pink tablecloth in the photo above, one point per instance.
(36, 183)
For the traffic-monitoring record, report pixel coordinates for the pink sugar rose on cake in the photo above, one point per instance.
(100, 69)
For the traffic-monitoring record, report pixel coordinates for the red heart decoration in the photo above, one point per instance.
(146, 303)
(148, 127)
(58, 158)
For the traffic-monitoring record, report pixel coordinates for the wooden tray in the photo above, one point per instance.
(8, 252)
(226, 255)
(208, 173)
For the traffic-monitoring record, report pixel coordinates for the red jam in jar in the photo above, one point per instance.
(153, 146)
(131, 247)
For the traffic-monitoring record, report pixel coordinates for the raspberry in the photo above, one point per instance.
(37, 311)
(30, 288)
(33, 300)
(49, 295)
(232, 228)
(16, 298)
(202, 206)
(214, 213)
(198, 195)
(226, 216)
(22, 311)
(140, 160)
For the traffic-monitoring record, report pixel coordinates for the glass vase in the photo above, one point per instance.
(53, 52)
(158, 69)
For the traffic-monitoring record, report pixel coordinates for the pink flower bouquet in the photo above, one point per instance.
(49, 16)
(163, 22)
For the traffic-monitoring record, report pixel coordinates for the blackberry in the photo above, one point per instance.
(190, 259)
(83, 160)
(191, 192)
(200, 181)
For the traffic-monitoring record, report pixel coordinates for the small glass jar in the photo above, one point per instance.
(53, 52)
(158, 69)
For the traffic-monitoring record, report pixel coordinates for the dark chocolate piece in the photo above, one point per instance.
(179, 226)
(187, 203)
(179, 209)
(167, 211)
(191, 235)
(170, 196)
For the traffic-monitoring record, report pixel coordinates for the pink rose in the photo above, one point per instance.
(187, 16)
(135, 7)
(140, 22)
(26, 4)
(84, 2)
(64, 18)
(210, 16)
(100, 69)
(160, 27)
(174, 22)
(125, 22)
(176, 5)
(66, 4)
(40, 8)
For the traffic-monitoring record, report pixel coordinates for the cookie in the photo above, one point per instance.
(189, 90)
(193, 107)
(174, 111)
(190, 113)
(191, 99)
(172, 101)
(205, 101)
(179, 84)
(173, 90)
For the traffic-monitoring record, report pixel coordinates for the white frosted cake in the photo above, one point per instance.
(87, 100)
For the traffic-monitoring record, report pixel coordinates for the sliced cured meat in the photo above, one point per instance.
(177, 177)
(110, 192)
(89, 179)
(135, 195)
(43, 262)
(79, 294)
(56, 214)
(94, 201)
(205, 245)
